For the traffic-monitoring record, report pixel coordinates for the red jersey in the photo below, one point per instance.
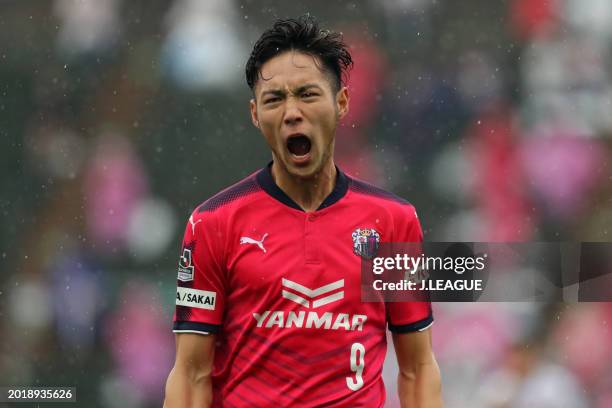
(281, 288)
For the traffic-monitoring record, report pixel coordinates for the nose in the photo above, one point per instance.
(293, 115)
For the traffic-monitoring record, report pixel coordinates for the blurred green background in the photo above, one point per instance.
(494, 118)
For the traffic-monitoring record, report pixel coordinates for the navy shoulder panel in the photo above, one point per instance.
(362, 187)
(239, 190)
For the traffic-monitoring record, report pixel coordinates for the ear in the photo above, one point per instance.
(254, 118)
(342, 102)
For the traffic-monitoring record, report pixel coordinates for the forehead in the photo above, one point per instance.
(291, 69)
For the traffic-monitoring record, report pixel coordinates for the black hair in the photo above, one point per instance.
(304, 35)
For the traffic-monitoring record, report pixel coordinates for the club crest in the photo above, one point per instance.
(365, 242)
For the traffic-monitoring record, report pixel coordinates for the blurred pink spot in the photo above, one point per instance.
(114, 183)
(140, 339)
(562, 170)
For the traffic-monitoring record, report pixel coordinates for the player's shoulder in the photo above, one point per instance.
(228, 199)
(377, 196)
(395, 212)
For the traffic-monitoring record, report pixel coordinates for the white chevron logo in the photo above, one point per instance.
(305, 296)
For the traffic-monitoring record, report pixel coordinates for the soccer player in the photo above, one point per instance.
(268, 307)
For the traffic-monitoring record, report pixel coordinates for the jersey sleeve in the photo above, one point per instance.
(201, 283)
(405, 317)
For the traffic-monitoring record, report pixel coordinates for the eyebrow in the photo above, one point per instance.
(279, 92)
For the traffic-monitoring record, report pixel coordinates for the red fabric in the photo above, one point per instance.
(260, 361)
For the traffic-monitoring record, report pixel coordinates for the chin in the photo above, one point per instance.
(303, 172)
(308, 171)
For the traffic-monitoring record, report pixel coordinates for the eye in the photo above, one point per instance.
(309, 94)
(271, 100)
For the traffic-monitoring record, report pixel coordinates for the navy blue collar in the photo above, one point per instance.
(265, 180)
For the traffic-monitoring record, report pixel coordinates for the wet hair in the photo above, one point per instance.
(304, 35)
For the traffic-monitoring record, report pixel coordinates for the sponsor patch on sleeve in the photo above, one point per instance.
(202, 299)
(185, 266)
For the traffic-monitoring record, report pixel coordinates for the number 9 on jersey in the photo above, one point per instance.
(357, 365)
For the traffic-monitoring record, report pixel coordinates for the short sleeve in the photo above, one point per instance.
(405, 317)
(200, 292)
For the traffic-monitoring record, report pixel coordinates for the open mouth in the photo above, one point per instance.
(298, 145)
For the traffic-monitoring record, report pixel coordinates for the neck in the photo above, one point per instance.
(307, 193)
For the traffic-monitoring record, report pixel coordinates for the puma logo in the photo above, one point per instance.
(193, 224)
(249, 240)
